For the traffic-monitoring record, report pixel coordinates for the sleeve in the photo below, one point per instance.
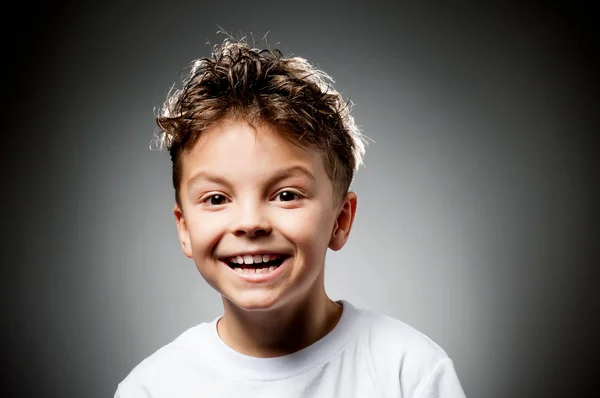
(128, 391)
(441, 383)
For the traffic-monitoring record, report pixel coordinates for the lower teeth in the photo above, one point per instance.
(255, 270)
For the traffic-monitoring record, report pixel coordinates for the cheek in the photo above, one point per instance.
(308, 227)
(205, 231)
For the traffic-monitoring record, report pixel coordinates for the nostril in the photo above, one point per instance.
(253, 232)
(251, 221)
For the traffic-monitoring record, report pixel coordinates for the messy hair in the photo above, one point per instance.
(261, 85)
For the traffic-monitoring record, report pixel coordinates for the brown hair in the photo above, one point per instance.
(262, 85)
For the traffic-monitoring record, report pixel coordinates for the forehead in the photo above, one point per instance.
(237, 150)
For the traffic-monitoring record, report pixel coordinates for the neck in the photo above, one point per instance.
(280, 331)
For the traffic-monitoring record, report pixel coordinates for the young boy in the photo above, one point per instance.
(264, 151)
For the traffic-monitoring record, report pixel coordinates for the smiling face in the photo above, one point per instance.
(248, 195)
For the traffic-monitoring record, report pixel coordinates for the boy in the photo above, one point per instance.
(264, 151)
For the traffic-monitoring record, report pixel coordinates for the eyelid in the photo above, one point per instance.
(203, 200)
(299, 194)
(206, 197)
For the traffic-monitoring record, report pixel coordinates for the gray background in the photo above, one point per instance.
(477, 217)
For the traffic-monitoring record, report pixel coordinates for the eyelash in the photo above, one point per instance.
(208, 199)
(296, 196)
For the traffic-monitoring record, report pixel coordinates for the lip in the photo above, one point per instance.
(262, 277)
(253, 253)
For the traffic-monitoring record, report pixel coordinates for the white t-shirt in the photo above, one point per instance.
(366, 355)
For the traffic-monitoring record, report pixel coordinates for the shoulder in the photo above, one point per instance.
(399, 354)
(189, 351)
(390, 336)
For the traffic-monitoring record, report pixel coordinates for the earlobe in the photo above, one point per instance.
(343, 222)
(182, 231)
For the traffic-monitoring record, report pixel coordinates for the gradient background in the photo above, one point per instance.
(477, 218)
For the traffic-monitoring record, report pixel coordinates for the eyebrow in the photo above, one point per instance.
(202, 175)
(276, 177)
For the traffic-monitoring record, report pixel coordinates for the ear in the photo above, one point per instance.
(182, 231)
(343, 222)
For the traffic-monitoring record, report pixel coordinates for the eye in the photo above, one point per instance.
(215, 200)
(286, 196)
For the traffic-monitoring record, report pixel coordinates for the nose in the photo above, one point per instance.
(251, 220)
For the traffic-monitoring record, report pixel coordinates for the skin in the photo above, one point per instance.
(247, 189)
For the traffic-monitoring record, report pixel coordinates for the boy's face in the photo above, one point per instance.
(250, 196)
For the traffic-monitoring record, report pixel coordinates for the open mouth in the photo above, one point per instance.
(255, 263)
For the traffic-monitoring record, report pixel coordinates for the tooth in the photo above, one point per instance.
(239, 270)
(257, 258)
(265, 258)
(232, 260)
(271, 268)
(240, 259)
(259, 270)
(248, 259)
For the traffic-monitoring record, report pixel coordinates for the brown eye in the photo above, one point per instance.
(217, 200)
(287, 196)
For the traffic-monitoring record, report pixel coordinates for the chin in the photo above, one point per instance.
(255, 301)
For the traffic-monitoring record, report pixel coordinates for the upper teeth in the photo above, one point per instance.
(253, 259)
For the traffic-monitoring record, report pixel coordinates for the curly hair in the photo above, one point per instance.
(261, 85)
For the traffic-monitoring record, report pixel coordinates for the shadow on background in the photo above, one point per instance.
(518, 83)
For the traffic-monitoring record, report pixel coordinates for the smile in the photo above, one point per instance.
(255, 263)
